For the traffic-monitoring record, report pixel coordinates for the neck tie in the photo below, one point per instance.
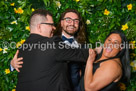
(70, 40)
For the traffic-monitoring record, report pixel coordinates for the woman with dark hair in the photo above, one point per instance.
(113, 65)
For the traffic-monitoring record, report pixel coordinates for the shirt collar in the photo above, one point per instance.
(69, 37)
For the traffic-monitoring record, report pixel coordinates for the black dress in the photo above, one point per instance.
(111, 87)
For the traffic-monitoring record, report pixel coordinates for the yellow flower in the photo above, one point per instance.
(13, 89)
(12, 4)
(106, 12)
(77, 0)
(124, 27)
(18, 44)
(88, 22)
(122, 86)
(7, 71)
(129, 7)
(132, 44)
(15, 10)
(13, 22)
(22, 41)
(33, 9)
(132, 64)
(20, 11)
(133, 54)
(27, 28)
(58, 4)
(134, 68)
(0, 49)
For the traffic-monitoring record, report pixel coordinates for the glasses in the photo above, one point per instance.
(69, 20)
(52, 24)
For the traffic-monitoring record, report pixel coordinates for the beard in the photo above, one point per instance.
(70, 33)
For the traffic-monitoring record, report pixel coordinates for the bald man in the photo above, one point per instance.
(44, 70)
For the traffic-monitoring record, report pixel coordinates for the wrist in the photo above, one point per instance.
(90, 62)
(11, 63)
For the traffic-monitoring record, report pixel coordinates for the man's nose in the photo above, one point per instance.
(72, 22)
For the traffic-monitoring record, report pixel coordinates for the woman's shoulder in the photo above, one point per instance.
(112, 63)
(113, 66)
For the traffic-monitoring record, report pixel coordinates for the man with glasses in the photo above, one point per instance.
(45, 70)
(71, 29)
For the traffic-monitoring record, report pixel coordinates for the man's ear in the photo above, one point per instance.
(39, 27)
(62, 22)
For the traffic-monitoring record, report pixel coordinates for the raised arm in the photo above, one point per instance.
(107, 72)
(16, 62)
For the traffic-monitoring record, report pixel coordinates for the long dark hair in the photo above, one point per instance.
(123, 55)
(80, 34)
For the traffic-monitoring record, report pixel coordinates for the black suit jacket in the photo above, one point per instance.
(46, 70)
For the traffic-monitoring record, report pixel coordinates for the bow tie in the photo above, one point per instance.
(70, 40)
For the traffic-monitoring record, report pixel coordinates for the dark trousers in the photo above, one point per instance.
(74, 69)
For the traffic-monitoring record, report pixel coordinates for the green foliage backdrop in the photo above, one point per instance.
(100, 17)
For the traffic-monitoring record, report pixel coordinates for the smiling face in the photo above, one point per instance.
(112, 46)
(70, 28)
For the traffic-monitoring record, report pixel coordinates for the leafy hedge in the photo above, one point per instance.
(100, 16)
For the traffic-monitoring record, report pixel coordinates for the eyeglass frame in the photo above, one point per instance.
(71, 20)
(52, 24)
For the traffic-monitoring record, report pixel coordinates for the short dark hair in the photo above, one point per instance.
(41, 12)
(81, 34)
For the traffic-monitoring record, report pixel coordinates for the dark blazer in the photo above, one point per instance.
(46, 70)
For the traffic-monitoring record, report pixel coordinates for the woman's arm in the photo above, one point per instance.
(108, 72)
(89, 72)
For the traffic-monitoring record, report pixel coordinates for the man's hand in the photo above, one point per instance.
(16, 62)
